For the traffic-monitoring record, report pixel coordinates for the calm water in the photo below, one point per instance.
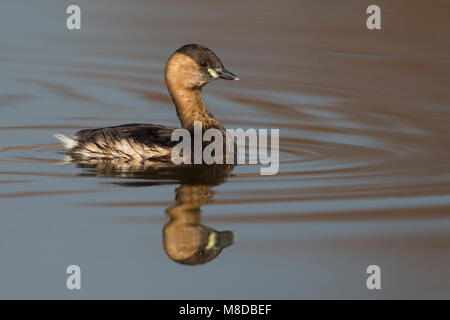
(364, 164)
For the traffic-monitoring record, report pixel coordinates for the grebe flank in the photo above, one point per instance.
(187, 71)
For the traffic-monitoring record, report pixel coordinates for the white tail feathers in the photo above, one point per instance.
(69, 141)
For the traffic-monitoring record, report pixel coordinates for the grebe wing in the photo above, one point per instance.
(146, 134)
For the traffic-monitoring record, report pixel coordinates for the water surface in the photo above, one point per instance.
(364, 161)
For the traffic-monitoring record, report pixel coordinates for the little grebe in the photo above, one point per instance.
(187, 71)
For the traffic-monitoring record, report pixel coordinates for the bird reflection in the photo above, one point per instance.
(185, 239)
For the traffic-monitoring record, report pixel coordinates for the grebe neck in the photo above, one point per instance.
(184, 85)
(191, 107)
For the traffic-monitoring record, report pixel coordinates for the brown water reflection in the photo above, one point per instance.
(364, 158)
(186, 240)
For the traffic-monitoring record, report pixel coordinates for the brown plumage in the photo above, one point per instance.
(189, 69)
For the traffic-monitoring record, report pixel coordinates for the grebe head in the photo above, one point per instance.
(193, 66)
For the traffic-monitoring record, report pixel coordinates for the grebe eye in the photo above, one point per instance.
(203, 64)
